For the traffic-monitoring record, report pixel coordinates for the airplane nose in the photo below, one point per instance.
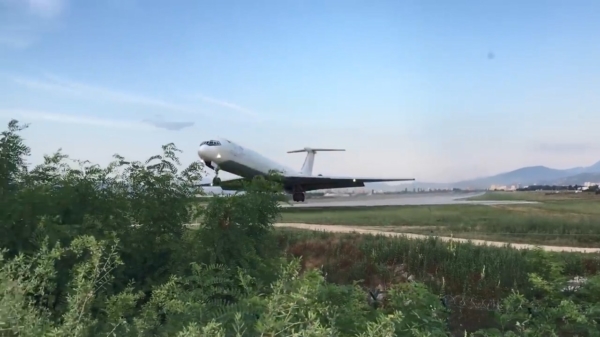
(203, 152)
(209, 153)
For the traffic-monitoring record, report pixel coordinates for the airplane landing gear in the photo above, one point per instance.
(298, 196)
(216, 180)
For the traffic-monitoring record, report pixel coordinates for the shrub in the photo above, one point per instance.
(93, 251)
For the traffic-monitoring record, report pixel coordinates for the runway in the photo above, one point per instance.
(401, 200)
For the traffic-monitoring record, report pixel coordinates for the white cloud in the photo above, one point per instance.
(47, 8)
(276, 120)
(160, 122)
(37, 115)
(57, 84)
(36, 84)
(53, 83)
(22, 22)
(228, 105)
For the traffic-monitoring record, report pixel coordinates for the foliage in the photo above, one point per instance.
(555, 311)
(297, 305)
(465, 269)
(472, 281)
(108, 251)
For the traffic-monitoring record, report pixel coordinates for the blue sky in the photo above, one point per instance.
(435, 90)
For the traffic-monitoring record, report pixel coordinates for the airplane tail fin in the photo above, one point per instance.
(307, 167)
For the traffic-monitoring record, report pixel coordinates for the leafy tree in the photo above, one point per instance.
(143, 205)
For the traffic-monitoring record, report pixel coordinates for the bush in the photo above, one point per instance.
(93, 251)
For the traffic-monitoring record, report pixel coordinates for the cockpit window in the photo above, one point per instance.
(211, 143)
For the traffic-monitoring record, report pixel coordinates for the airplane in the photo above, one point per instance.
(222, 154)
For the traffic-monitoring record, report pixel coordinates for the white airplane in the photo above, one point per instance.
(222, 154)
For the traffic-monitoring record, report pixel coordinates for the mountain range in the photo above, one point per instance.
(540, 175)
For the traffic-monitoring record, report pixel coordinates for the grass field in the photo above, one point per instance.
(349, 257)
(472, 279)
(559, 219)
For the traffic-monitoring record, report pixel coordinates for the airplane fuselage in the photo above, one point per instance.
(235, 159)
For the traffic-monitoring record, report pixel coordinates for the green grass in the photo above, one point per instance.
(556, 220)
(471, 278)
(349, 257)
(565, 204)
(536, 196)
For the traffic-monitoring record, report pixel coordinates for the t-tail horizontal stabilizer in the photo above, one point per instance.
(307, 167)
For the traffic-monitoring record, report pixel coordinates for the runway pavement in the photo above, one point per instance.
(401, 199)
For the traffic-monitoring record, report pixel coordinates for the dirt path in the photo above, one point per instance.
(365, 230)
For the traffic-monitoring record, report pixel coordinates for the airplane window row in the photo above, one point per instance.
(211, 143)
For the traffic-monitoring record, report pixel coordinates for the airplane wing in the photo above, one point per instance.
(311, 183)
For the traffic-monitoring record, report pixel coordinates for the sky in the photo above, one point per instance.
(426, 89)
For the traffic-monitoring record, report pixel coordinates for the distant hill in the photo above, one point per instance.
(577, 179)
(535, 175)
(594, 168)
